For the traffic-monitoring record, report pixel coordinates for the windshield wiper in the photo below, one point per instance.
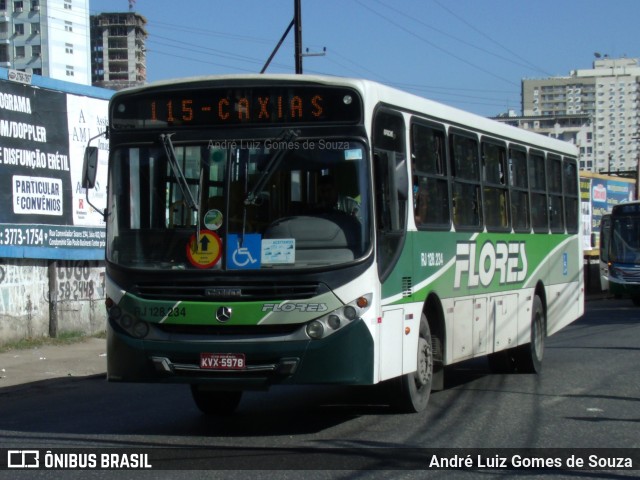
(167, 144)
(287, 136)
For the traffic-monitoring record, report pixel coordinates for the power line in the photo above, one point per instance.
(173, 27)
(446, 52)
(525, 63)
(163, 45)
(499, 44)
(204, 50)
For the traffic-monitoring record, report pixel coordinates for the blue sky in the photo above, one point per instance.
(471, 54)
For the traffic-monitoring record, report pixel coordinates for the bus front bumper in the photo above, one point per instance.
(345, 357)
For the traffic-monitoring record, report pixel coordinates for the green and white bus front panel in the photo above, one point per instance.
(324, 339)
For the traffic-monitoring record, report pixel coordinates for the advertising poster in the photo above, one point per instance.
(43, 211)
(605, 193)
(585, 213)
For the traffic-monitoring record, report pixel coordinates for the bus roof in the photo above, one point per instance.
(374, 91)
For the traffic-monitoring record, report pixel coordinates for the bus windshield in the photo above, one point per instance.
(625, 239)
(281, 203)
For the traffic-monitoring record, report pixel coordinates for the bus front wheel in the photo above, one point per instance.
(214, 402)
(415, 388)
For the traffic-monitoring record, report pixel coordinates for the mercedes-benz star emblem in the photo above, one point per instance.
(223, 314)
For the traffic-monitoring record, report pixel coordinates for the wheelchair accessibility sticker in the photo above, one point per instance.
(243, 251)
(205, 252)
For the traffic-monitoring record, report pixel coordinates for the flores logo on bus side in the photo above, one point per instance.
(508, 258)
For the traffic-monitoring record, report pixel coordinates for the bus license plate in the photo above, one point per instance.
(222, 361)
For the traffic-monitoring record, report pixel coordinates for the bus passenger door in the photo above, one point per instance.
(390, 238)
(391, 193)
(391, 209)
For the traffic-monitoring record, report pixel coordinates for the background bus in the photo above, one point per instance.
(620, 250)
(280, 229)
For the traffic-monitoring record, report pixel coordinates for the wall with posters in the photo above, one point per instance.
(51, 240)
(598, 194)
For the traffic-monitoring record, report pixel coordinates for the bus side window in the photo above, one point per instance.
(519, 183)
(496, 213)
(467, 208)
(554, 185)
(537, 183)
(570, 190)
(430, 182)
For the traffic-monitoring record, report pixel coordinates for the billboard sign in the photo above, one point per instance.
(43, 210)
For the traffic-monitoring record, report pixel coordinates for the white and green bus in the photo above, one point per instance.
(289, 229)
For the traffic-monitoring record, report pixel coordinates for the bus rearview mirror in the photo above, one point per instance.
(90, 167)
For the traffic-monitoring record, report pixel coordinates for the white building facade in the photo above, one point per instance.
(46, 37)
(609, 95)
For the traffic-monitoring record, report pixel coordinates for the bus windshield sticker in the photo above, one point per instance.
(205, 252)
(278, 250)
(213, 219)
(353, 154)
(243, 251)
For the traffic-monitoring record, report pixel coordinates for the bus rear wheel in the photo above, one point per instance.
(214, 402)
(415, 388)
(528, 357)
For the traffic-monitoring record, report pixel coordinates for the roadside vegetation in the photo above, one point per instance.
(63, 338)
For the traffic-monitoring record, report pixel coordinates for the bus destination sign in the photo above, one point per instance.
(627, 209)
(233, 106)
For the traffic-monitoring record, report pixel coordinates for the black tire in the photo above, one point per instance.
(528, 358)
(636, 300)
(213, 402)
(525, 358)
(415, 388)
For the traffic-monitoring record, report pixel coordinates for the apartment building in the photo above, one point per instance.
(46, 37)
(118, 54)
(574, 128)
(604, 99)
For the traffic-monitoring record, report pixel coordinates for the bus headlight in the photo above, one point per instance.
(129, 323)
(333, 321)
(350, 313)
(126, 321)
(140, 330)
(615, 272)
(315, 329)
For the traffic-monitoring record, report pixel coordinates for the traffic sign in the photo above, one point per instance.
(205, 252)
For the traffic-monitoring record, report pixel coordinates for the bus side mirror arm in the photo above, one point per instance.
(90, 170)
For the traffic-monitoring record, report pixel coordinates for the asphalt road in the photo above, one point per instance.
(588, 396)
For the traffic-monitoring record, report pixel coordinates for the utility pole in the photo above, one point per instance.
(297, 20)
(296, 24)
